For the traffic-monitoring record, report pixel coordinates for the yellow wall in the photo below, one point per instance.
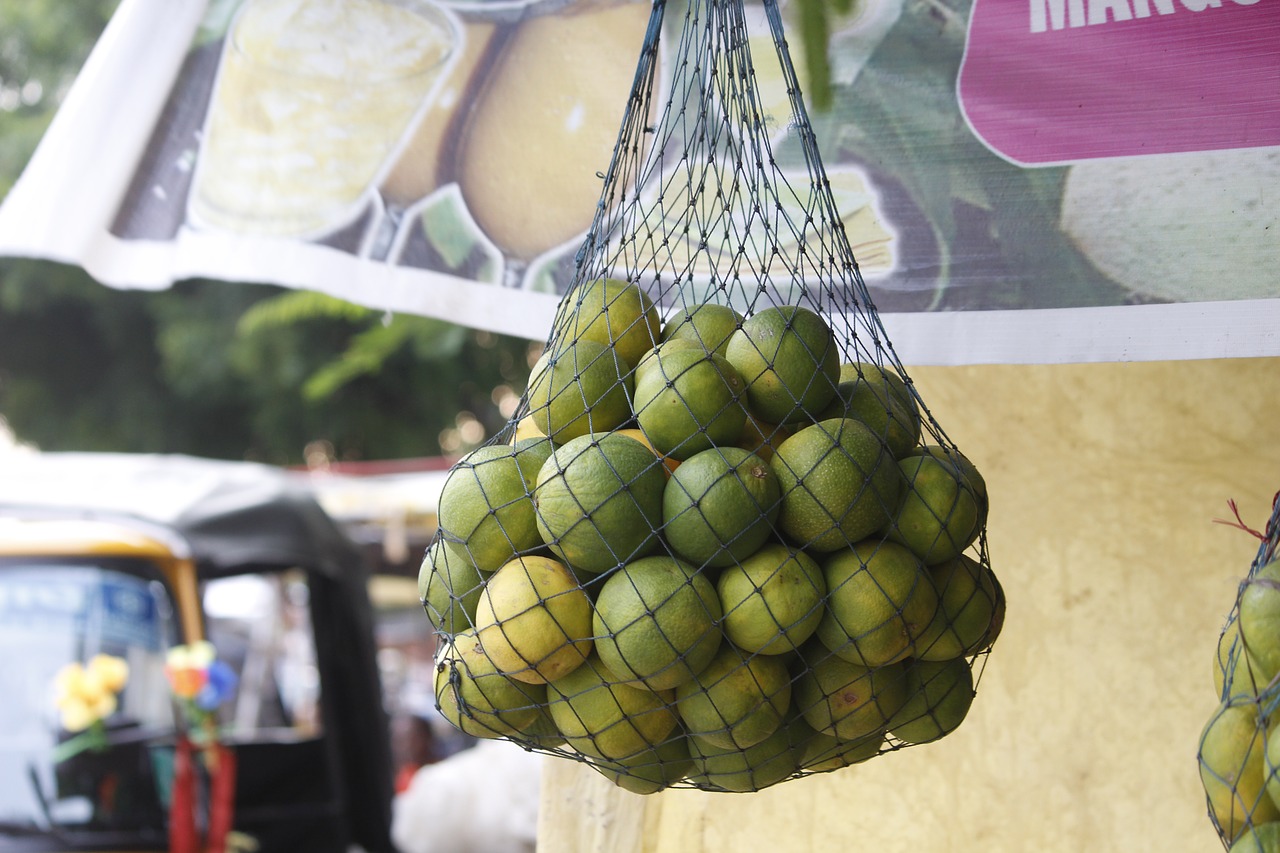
(1104, 483)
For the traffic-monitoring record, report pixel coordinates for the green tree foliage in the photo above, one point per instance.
(43, 44)
(208, 368)
(238, 371)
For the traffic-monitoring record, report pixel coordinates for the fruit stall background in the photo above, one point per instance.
(1105, 478)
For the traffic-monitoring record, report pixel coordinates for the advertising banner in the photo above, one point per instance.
(1021, 181)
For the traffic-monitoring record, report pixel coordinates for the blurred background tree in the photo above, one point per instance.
(208, 368)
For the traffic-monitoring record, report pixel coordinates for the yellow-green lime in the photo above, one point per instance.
(718, 768)
(610, 312)
(688, 401)
(542, 732)
(939, 694)
(708, 324)
(651, 770)
(938, 516)
(1232, 666)
(603, 718)
(839, 484)
(1233, 749)
(817, 752)
(1259, 618)
(1271, 765)
(650, 358)
(1258, 839)
(531, 454)
(880, 600)
(964, 470)
(737, 700)
(583, 388)
(719, 506)
(761, 438)
(889, 377)
(485, 508)
(599, 501)
(657, 622)
(868, 398)
(966, 604)
(790, 363)
(772, 600)
(848, 701)
(668, 463)
(478, 699)
(533, 620)
(449, 586)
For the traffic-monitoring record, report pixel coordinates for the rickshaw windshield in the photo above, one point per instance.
(55, 776)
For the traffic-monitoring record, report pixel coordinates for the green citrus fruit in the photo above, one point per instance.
(1233, 749)
(449, 585)
(719, 768)
(966, 471)
(533, 620)
(848, 701)
(650, 358)
(603, 718)
(870, 400)
(719, 506)
(889, 377)
(708, 324)
(485, 508)
(542, 732)
(531, 454)
(737, 700)
(938, 516)
(1259, 618)
(650, 770)
(1233, 666)
(790, 363)
(939, 694)
(613, 313)
(821, 752)
(772, 600)
(583, 388)
(839, 484)
(599, 500)
(688, 401)
(966, 604)
(657, 622)
(1271, 765)
(1264, 838)
(761, 438)
(478, 699)
(880, 600)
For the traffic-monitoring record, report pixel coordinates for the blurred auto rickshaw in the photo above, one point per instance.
(132, 555)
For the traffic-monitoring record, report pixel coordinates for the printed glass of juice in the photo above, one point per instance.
(313, 100)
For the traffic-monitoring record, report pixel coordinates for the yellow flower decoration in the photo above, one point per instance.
(85, 695)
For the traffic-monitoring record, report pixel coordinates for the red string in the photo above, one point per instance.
(1239, 522)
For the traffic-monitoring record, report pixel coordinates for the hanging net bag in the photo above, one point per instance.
(1238, 754)
(724, 543)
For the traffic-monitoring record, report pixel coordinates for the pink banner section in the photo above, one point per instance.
(1055, 81)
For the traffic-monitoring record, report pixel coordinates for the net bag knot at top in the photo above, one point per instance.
(724, 542)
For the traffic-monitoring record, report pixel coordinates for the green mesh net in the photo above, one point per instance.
(724, 542)
(1237, 755)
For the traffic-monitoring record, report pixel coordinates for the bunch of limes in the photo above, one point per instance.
(713, 554)
(1239, 750)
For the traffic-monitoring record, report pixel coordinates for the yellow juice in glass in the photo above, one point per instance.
(313, 99)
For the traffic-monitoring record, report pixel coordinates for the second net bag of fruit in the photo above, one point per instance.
(1239, 747)
(724, 543)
